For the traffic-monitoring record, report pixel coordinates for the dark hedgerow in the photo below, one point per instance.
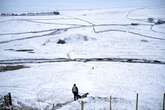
(11, 67)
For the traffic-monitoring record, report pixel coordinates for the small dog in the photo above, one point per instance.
(83, 96)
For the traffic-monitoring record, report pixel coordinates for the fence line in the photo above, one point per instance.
(7, 105)
(137, 103)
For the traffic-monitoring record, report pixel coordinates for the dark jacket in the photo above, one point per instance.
(75, 89)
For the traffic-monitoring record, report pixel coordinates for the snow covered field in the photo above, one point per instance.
(104, 53)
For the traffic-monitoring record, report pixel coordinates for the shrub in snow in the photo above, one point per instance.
(159, 21)
(11, 67)
(3, 14)
(56, 13)
(23, 14)
(13, 14)
(151, 20)
(61, 41)
(134, 24)
(143, 40)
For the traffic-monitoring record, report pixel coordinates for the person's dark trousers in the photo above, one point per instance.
(75, 96)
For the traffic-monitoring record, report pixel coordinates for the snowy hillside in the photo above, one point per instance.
(106, 52)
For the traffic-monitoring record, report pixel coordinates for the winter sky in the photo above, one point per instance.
(46, 5)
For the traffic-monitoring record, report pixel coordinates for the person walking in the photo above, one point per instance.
(75, 92)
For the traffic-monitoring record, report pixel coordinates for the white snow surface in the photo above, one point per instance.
(104, 33)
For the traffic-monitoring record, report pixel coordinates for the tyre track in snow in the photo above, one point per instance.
(36, 36)
(40, 31)
(28, 32)
(33, 21)
(57, 31)
(54, 31)
(152, 28)
(120, 30)
(51, 31)
(152, 25)
(44, 60)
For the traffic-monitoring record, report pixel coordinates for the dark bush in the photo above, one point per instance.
(151, 20)
(56, 13)
(3, 14)
(134, 24)
(160, 22)
(61, 41)
(11, 67)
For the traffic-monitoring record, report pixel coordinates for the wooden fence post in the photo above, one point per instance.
(10, 99)
(164, 101)
(6, 101)
(137, 98)
(53, 108)
(110, 104)
(82, 105)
